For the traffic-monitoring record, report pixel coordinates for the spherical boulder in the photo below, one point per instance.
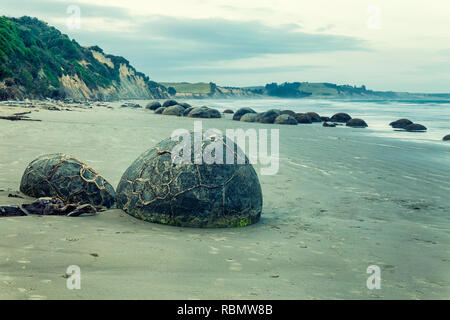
(303, 118)
(415, 127)
(400, 123)
(289, 112)
(160, 110)
(314, 117)
(67, 178)
(169, 103)
(153, 105)
(204, 112)
(268, 116)
(229, 111)
(155, 189)
(341, 117)
(249, 117)
(174, 111)
(446, 138)
(238, 114)
(356, 123)
(285, 119)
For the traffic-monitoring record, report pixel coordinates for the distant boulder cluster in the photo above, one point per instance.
(274, 116)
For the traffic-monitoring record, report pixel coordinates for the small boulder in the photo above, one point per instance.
(249, 117)
(229, 111)
(268, 116)
(176, 110)
(400, 123)
(356, 123)
(325, 119)
(153, 105)
(341, 117)
(329, 124)
(169, 103)
(237, 116)
(303, 118)
(160, 110)
(415, 127)
(446, 138)
(314, 117)
(285, 119)
(204, 112)
(289, 112)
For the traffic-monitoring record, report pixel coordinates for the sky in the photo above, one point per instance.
(398, 45)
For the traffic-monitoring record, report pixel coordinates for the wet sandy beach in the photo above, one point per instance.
(342, 200)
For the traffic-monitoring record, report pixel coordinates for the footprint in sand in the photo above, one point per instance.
(234, 265)
(213, 250)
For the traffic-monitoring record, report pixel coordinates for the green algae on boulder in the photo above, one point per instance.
(155, 189)
(67, 178)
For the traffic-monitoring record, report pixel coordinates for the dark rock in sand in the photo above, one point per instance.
(131, 105)
(204, 112)
(303, 118)
(356, 123)
(160, 110)
(153, 105)
(229, 111)
(329, 124)
(415, 127)
(67, 178)
(185, 105)
(268, 116)
(249, 117)
(190, 195)
(174, 111)
(169, 103)
(325, 119)
(446, 138)
(401, 123)
(314, 117)
(285, 119)
(237, 116)
(289, 112)
(341, 117)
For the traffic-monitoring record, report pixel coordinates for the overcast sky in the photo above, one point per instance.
(401, 45)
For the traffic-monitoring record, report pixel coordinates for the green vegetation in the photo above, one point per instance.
(185, 87)
(34, 56)
(306, 89)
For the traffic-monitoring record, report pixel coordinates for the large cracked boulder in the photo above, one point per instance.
(268, 116)
(341, 117)
(400, 123)
(169, 103)
(153, 105)
(67, 178)
(356, 123)
(204, 112)
(157, 190)
(285, 119)
(249, 117)
(175, 110)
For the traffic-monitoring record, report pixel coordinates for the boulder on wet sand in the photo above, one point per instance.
(415, 127)
(238, 114)
(249, 117)
(303, 118)
(446, 138)
(160, 110)
(401, 123)
(67, 178)
(329, 124)
(356, 123)
(289, 112)
(341, 117)
(229, 111)
(285, 119)
(268, 116)
(176, 110)
(153, 105)
(169, 103)
(314, 117)
(204, 112)
(131, 105)
(154, 189)
(184, 105)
